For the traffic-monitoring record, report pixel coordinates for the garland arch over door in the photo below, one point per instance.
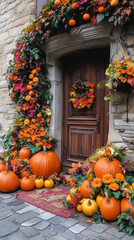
(87, 129)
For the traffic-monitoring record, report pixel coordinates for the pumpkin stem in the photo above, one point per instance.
(111, 158)
(7, 171)
(44, 149)
(89, 203)
(107, 197)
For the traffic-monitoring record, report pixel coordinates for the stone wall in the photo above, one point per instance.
(14, 16)
(121, 132)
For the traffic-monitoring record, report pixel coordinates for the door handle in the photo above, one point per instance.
(98, 123)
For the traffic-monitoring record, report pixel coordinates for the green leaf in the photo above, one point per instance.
(116, 195)
(15, 196)
(96, 217)
(132, 200)
(65, 203)
(34, 149)
(47, 5)
(101, 85)
(111, 19)
(100, 17)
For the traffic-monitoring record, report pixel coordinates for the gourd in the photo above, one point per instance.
(89, 207)
(107, 165)
(45, 163)
(85, 189)
(9, 181)
(27, 183)
(110, 208)
(39, 182)
(49, 183)
(125, 204)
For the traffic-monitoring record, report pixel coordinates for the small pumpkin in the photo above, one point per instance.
(49, 183)
(99, 199)
(24, 173)
(110, 208)
(9, 181)
(45, 163)
(114, 3)
(89, 207)
(39, 182)
(125, 204)
(86, 16)
(73, 190)
(24, 153)
(72, 22)
(85, 189)
(68, 198)
(107, 165)
(2, 167)
(27, 183)
(79, 207)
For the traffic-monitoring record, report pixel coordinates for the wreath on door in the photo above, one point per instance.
(82, 94)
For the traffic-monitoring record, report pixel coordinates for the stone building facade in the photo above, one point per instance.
(14, 16)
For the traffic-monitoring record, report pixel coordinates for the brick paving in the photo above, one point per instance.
(22, 221)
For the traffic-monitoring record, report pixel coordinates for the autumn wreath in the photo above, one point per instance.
(82, 94)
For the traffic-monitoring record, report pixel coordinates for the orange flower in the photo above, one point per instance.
(107, 178)
(96, 183)
(14, 162)
(130, 71)
(115, 62)
(74, 166)
(41, 120)
(108, 152)
(119, 177)
(48, 145)
(21, 135)
(123, 79)
(114, 186)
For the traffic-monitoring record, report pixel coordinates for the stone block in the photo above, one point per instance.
(17, 236)
(57, 220)
(5, 214)
(26, 209)
(24, 217)
(3, 36)
(107, 236)
(41, 225)
(2, 24)
(14, 4)
(69, 235)
(31, 222)
(46, 215)
(87, 233)
(9, 40)
(15, 31)
(49, 233)
(7, 227)
(29, 231)
(58, 237)
(99, 228)
(59, 228)
(115, 232)
(77, 228)
(69, 222)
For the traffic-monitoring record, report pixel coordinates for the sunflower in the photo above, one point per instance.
(96, 183)
(119, 177)
(107, 178)
(114, 186)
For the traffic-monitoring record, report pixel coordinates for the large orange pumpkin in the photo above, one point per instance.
(24, 153)
(2, 167)
(45, 163)
(27, 183)
(85, 189)
(125, 204)
(110, 208)
(105, 165)
(9, 181)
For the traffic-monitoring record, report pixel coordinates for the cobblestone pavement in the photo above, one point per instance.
(22, 221)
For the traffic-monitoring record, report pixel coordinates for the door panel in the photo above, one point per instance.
(83, 130)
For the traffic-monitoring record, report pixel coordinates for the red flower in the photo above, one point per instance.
(82, 99)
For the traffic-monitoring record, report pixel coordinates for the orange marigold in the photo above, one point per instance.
(96, 183)
(107, 178)
(114, 186)
(119, 177)
(130, 71)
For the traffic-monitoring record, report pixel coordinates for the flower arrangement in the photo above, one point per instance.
(119, 76)
(82, 94)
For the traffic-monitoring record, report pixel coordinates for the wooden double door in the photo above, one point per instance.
(84, 130)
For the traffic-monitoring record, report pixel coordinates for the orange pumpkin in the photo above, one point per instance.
(31, 76)
(72, 22)
(9, 181)
(125, 204)
(101, 9)
(2, 167)
(34, 71)
(105, 165)
(45, 163)
(74, 6)
(114, 3)
(27, 183)
(24, 173)
(85, 189)
(26, 121)
(24, 153)
(110, 208)
(86, 16)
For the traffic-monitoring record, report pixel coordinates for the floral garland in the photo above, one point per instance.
(28, 83)
(82, 94)
(120, 77)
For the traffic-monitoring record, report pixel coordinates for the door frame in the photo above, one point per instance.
(82, 37)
